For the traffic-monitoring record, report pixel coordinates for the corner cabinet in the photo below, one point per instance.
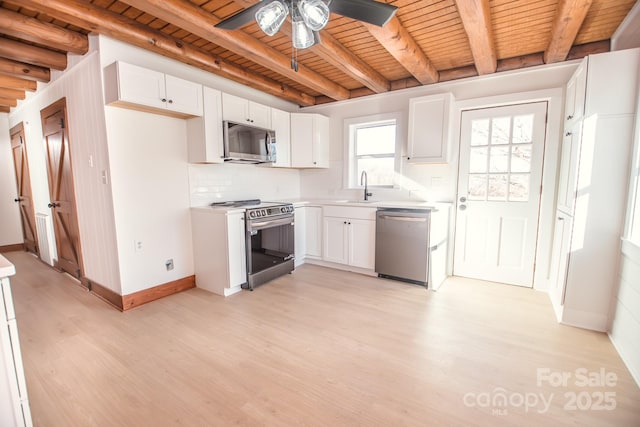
(14, 403)
(592, 187)
(219, 250)
(349, 236)
(204, 134)
(139, 88)
(309, 141)
(429, 128)
(240, 110)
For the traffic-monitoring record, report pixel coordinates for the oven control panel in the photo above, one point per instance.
(272, 211)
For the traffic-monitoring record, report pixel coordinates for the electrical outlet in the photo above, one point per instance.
(169, 264)
(138, 245)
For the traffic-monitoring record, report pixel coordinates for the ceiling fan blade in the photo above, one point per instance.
(370, 11)
(243, 17)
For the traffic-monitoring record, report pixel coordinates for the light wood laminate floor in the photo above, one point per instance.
(319, 348)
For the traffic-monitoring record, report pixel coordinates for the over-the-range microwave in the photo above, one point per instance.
(248, 144)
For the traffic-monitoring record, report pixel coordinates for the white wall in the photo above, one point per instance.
(10, 225)
(228, 181)
(422, 182)
(82, 89)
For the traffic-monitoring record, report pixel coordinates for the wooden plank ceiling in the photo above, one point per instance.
(426, 42)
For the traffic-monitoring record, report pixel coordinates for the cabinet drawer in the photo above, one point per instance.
(350, 212)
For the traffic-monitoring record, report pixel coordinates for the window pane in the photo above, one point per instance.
(497, 187)
(480, 132)
(523, 129)
(500, 130)
(478, 160)
(380, 171)
(519, 188)
(477, 187)
(521, 158)
(499, 159)
(376, 140)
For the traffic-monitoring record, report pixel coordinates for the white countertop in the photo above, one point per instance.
(6, 268)
(375, 204)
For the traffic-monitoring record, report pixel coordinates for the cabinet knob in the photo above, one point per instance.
(569, 117)
(560, 218)
(171, 101)
(164, 99)
(568, 134)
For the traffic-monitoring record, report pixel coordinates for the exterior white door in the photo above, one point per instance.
(499, 186)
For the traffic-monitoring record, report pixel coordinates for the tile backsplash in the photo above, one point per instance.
(228, 181)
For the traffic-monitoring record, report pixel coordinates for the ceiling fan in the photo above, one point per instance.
(308, 16)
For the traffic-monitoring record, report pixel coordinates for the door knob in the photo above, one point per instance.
(54, 205)
(17, 200)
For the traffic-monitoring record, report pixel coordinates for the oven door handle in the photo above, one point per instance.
(270, 223)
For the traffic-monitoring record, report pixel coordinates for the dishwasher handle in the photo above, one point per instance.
(404, 218)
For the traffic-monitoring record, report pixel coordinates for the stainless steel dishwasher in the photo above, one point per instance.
(403, 244)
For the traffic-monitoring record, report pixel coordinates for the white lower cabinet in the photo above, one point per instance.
(313, 232)
(14, 402)
(219, 250)
(349, 236)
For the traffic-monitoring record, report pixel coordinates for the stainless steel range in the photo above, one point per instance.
(269, 240)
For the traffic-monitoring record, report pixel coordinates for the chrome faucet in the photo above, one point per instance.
(363, 177)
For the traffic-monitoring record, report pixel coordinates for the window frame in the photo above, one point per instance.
(351, 181)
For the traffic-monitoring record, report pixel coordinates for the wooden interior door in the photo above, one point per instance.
(25, 199)
(61, 191)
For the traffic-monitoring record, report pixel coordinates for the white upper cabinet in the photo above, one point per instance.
(429, 128)
(568, 175)
(281, 124)
(309, 141)
(204, 134)
(575, 95)
(139, 88)
(240, 110)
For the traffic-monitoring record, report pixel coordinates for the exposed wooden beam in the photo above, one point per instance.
(340, 57)
(11, 93)
(395, 38)
(5, 109)
(196, 20)
(8, 102)
(458, 73)
(9, 82)
(476, 19)
(93, 18)
(30, 29)
(26, 71)
(566, 24)
(30, 54)
(518, 62)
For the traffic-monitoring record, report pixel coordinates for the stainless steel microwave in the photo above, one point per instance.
(248, 144)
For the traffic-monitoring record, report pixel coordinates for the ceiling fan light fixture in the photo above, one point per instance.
(315, 13)
(271, 17)
(302, 35)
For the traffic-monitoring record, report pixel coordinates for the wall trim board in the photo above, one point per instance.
(107, 295)
(12, 248)
(147, 295)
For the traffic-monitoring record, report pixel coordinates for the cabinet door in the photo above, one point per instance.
(235, 109)
(560, 257)
(320, 141)
(362, 243)
(139, 85)
(301, 140)
(575, 95)
(429, 118)
(281, 124)
(236, 246)
(259, 115)
(335, 240)
(568, 175)
(183, 96)
(313, 231)
(204, 134)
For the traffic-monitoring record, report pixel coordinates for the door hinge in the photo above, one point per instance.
(21, 140)
(61, 123)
